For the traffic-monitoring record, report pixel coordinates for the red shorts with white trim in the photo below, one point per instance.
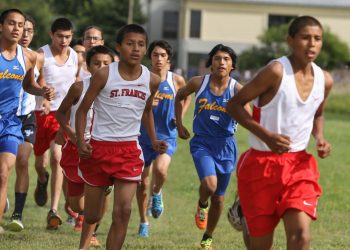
(74, 188)
(47, 127)
(269, 184)
(70, 161)
(112, 160)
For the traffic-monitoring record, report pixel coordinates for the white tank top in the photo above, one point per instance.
(87, 134)
(287, 113)
(26, 100)
(59, 76)
(84, 74)
(119, 106)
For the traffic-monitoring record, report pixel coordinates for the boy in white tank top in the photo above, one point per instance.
(61, 70)
(122, 93)
(277, 178)
(96, 58)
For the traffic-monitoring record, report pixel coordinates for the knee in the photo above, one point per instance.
(142, 186)
(161, 173)
(3, 178)
(121, 213)
(210, 187)
(217, 201)
(92, 219)
(298, 239)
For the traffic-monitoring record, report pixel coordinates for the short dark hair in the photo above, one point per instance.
(76, 41)
(61, 23)
(30, 19)
(221, 47)
(100, 49)
(164, 45)
(300, 22)
(93, 27)
(130, 28)
(7, 12)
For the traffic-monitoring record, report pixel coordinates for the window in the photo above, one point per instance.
(170, 24)
(277, 20)
(195, 28)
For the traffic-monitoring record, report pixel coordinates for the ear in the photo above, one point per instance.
(290, 41)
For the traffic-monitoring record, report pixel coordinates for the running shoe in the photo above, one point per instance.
(144, 230)
(94, 242)
(201, 217)
(53, 220)
(207, 244)
(157, 205)
(40, 194)
(15, 224)
(79, 223)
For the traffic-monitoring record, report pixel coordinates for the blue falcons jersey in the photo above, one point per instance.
(210, 116)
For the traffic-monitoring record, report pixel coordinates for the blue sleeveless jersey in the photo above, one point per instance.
(164, 112)
(210, 116)
(12, 73)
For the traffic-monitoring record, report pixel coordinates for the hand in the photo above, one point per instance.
(49, 93)
(278, 143)
(160, 146)
(84, 149)
(183, 132)
(323, 148)
(45, 107)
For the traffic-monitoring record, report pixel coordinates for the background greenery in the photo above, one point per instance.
(175, 229)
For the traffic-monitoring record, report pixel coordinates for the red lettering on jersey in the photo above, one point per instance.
(129, 92)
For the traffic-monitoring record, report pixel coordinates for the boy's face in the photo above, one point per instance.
(307, 43)
(98, 61)
(12, 28)
(80, 49)
(133, 48)
(159, 58)
(28, 34)
(61, 39)
(92, 37)
(221, 64)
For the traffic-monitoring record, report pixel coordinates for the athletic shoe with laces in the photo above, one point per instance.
(207, 244)
(7, 205)
(79, 223)
(235, 215)
(15, 224)
(70, 220)
(69, 211)
(53, 220)
(157, 205)
(201, 217)
(40, 194)
(94, 242)
(144, 230)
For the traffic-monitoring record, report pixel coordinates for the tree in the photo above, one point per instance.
(334, 52)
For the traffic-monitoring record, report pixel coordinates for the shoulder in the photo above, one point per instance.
(328, 81)
(179, 80)
(31, 56)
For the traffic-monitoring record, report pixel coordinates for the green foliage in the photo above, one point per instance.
(110, 15)
(334, 52)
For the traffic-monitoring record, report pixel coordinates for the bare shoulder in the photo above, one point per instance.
(270, 75)
(328, 81)
(179, 80)
(30, 57)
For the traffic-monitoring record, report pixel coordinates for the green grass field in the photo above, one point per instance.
(175, 229)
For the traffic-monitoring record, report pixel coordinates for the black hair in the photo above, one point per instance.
(130, 28)
(76, 41)
(100, 49)
(300, 22)
(221, 47)
(164, 45)
(61, 23)
(30, 19)
(5, 13)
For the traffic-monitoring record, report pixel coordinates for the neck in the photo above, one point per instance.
(129, 71)
(8, 46)
(220, 80)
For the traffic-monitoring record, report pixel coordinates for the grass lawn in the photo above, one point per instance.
(175, 229)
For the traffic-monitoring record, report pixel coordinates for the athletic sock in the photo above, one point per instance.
(95, 231)
(203, 205)
(206, 236)
(20, 200)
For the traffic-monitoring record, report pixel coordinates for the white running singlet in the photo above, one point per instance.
(287, 113)
(118, 108)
